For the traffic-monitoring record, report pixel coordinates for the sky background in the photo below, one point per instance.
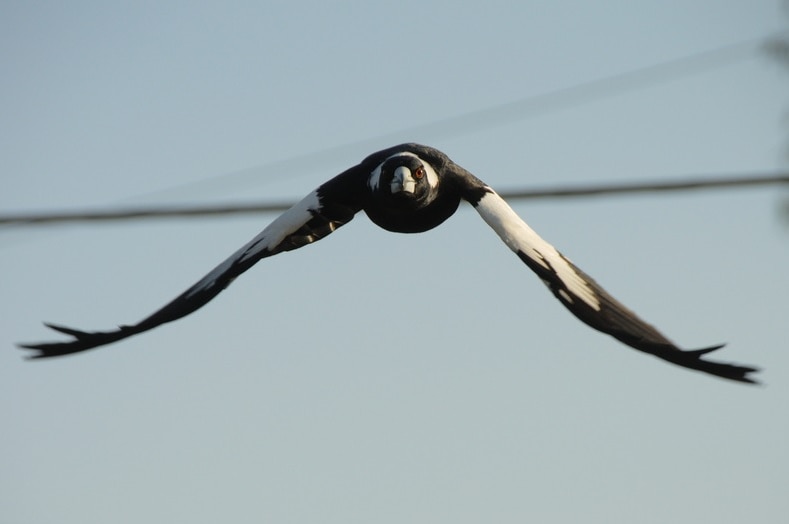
(377, 377)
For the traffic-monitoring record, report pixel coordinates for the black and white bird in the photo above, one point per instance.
(412, 188)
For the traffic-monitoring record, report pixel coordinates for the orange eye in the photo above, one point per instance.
(419, 173)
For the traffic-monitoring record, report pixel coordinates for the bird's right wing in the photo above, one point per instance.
(330, 206)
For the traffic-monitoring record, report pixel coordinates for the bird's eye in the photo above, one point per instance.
(419, 173)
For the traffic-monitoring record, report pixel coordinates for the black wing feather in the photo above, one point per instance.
(579, 293)
(615, 319)
(332, 205)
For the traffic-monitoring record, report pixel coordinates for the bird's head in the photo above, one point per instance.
(411, 188)
(404, 181)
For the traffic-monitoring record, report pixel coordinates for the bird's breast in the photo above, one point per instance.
(401, 217)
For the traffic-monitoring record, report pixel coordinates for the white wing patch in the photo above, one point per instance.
(287, 223)
(519, 237)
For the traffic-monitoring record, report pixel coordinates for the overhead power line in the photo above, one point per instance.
(452, 126)
(575, 191)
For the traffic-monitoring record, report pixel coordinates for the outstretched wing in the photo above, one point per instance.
(330, 206)
(584, 297)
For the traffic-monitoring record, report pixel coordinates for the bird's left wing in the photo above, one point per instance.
(330, 206)
(579, 293)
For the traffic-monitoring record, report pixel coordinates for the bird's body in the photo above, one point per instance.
(411, 189)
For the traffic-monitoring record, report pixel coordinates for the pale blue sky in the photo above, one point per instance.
(376, 377)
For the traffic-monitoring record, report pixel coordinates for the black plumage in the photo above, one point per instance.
(411, 188)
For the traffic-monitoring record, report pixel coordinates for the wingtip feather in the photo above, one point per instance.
(82, 340)
(76, 333)
(704, 351)
(692, 359)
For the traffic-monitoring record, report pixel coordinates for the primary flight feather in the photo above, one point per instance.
(412, 188)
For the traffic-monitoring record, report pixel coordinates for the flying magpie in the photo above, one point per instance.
(411, 188)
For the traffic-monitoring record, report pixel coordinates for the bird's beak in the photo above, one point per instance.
(403, 181)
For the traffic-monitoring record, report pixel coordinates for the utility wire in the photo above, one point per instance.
(454, 126)
(575, 191)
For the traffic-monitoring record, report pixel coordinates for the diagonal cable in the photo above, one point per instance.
(491, 116)
(574, 191)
